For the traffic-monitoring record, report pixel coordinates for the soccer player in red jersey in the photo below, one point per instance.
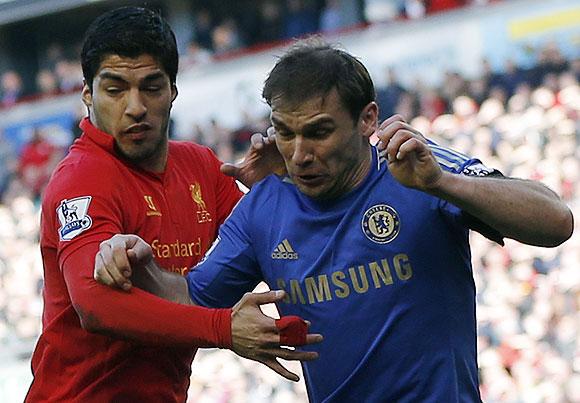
(124, 176)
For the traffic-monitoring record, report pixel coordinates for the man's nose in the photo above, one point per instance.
(136, 108)
(302, 151)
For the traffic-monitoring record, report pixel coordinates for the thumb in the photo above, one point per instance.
(132, 255)
(268, 297)
(230, 169)
(140, 253)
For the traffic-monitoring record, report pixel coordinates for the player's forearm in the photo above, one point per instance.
(138, 315)
(169, 286)
(144, 318)
(519, 209)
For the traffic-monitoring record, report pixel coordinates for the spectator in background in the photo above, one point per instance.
(270, 21)
(414, 9)
(36, 162)
(195, 55)
(431, 104)
(389, 95)
(437, 6)
(70, 76)
(7, 164)
(226, 37)
(220, 140)
(331, 18)
(512, 77)
(453, 85)
(492, 79)
(46, 84)
(203, 27)
(12, 89)
(550, 61)
(54, 54)
(300, 19)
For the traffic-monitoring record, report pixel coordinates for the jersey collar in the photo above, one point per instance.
(107, 143)
(99, 137)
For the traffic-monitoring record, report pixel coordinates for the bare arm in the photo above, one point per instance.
(520, 209)
(523, 210)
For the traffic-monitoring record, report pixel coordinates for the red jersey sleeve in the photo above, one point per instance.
(138, 315)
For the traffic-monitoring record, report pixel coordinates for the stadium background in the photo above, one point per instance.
(494, 79)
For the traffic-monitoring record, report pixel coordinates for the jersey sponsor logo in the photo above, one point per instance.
(381, 223)
(345, 283)
(73, 217)
(202, 214)
(152, 209)
(175, 249)
(284, 251)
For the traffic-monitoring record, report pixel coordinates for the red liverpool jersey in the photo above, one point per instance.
(91, 196)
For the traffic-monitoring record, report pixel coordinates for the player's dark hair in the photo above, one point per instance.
(129, 32)
(313, 68)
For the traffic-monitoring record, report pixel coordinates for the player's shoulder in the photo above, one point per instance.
(455, 161)
(83, 172)
(188, 149)
(269, 193)
(273, 184)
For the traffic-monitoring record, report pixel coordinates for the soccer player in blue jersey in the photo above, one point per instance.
(369, 243)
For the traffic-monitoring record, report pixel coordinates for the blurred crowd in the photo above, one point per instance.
(219, 30)
(524, 122)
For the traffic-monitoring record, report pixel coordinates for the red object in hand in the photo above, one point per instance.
(293, 330)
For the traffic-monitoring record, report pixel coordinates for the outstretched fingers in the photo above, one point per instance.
(275, 366)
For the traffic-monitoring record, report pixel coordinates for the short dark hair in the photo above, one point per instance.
(129, 32)
(313, 68)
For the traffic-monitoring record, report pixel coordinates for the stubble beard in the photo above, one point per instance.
(142, 153)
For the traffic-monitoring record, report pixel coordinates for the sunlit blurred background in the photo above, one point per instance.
(494, 79)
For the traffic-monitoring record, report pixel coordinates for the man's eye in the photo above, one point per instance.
(153, 88)
(322, 132)
(113, 90)
(283, 133)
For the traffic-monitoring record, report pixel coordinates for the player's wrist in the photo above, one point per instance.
(223, 328)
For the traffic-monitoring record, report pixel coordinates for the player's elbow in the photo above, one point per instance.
(566, 227)
(562, 227)
(89, 319)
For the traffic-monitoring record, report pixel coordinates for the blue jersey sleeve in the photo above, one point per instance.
(460, 164)
(229, 268)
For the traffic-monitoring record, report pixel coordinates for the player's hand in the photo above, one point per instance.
(261, 160)
(256, 336)
(115, 258)
(410, 160)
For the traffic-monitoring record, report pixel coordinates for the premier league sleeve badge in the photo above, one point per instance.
(73, 217)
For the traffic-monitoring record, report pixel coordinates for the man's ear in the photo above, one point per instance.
(174, 92)
(368, 120)
(87, 95)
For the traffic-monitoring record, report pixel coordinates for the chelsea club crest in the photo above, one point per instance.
(381, 223)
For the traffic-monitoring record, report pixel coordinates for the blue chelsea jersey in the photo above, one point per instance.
(383, 273)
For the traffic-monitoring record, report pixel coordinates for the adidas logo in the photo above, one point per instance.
(284, 251)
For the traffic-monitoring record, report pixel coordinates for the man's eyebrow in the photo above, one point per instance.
(318, 122)
(154, 76)
(279, 123)
(307, 126)
(111, 76)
